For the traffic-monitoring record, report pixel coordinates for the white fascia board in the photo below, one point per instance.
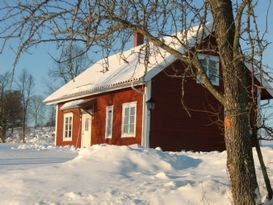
(56, 124)
(146, 117)
(157, 69)
(265, 84)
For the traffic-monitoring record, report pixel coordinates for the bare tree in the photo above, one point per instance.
(37, 110)
(25, 85)
(51, 116)
(104, 23)
(72, 61)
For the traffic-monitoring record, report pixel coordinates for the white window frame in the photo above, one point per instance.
(208, 58)
(108, 109)
(124, 106)
(67, 115)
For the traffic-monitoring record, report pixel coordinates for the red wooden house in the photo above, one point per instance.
(116, 106)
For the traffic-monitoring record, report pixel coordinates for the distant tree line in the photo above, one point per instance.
(19, 106)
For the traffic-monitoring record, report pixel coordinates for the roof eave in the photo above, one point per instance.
(263, 82)
(85, 94)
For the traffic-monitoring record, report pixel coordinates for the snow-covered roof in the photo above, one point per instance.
(80, 103)
(260, 77)
(126, 69)
(72, 104)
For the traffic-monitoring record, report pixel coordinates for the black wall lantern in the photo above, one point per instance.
(150, 104)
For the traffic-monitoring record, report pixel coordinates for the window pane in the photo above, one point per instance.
(133, 110)
(210, 65)
(126, 111)
(214, 76)
(129, 114)
(110, 116)
(204, 64)
(212, 68)
(86, 125)
(108, 132)
(109, 122)
(125, 128)
(132, 126)
(132, 119)
(109, 119)
(126, 119)
(67, 126)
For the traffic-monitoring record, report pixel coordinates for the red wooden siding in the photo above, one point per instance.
(115, 98)
(76, 129)
(172, 128)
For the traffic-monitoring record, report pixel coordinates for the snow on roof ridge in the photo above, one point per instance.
(125, 67)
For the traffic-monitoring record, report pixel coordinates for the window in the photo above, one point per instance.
(211, 67)
(67, 129)
(86, 124)
(129, 119)
(109, 121)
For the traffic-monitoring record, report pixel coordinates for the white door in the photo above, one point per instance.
(86, 130)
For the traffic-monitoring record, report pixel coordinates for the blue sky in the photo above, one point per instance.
(38, 62)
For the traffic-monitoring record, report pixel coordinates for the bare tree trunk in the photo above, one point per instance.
(2, 135)
(240, 161)
(238, 139)
(24, 129)
(26, 83)
(23, 136)
(36, 121)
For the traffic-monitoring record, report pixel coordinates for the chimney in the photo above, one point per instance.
(138, 39)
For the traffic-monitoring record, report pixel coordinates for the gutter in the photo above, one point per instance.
(135, 89)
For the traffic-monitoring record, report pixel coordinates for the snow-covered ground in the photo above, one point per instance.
(41, 174)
